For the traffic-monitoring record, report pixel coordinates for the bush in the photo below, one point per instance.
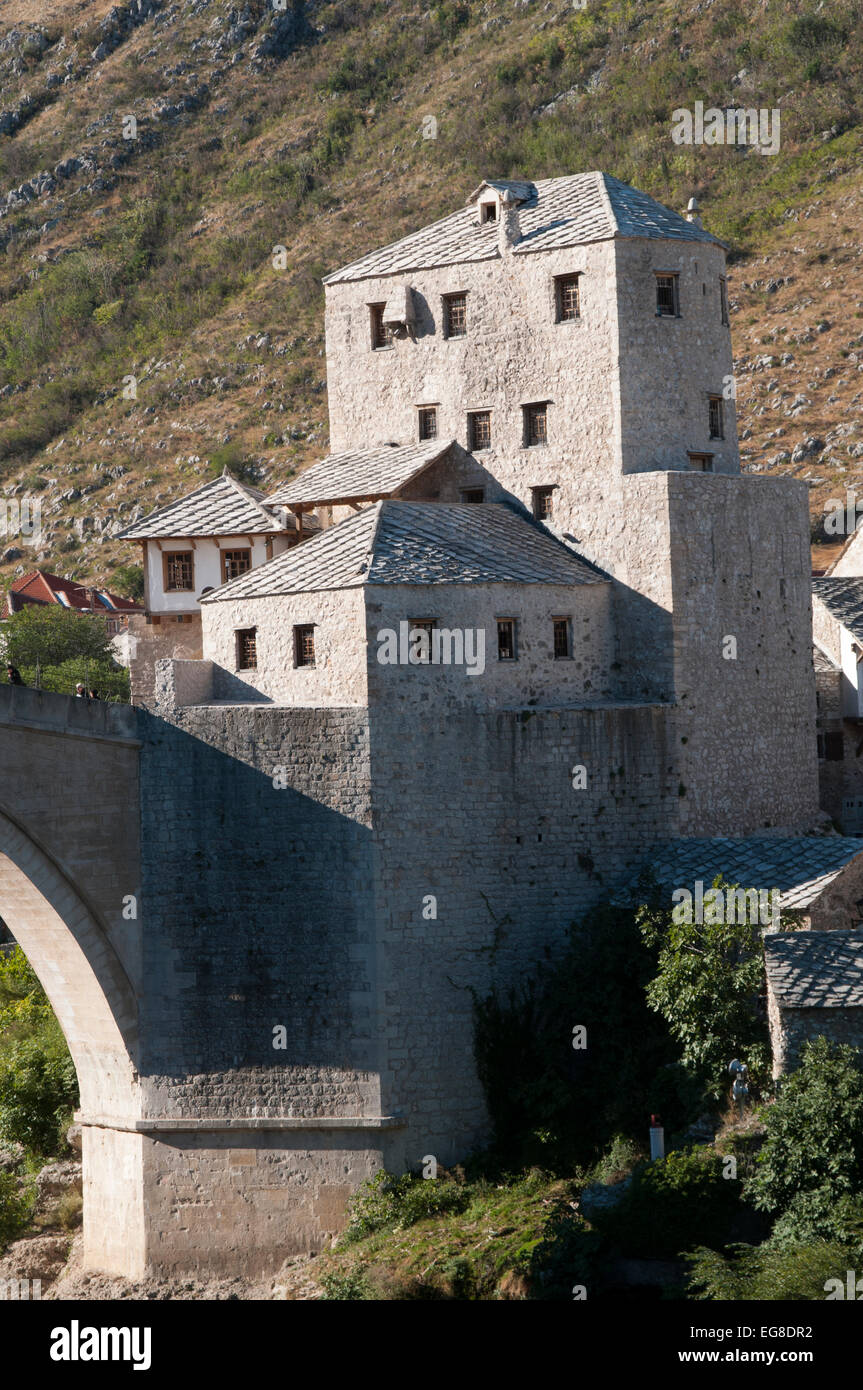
(672, 1204)
(389, 1202)
(128, 581)
(51, 635)
(38, 1085)
(796, 1274)
(709, 989)
(812, 1157)
(16, 1208)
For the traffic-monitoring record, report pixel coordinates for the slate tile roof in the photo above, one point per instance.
(801, 867)
(823, 662)
(394, 542)
(568, 211)
(816, 969)
(359, 473)
(223, 507)
(844, 599)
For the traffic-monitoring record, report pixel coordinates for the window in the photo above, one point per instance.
(179, 570)
(428, 421)
(831, 747)
(561, 638)
(723, 300)
(479, 430)
(567, 305)
(701, 462)
(304, 644)
(473, 494)
(715, 417)
(488, 212)
(247, 648)
(506, 639)
(426, 625)
(667, 299)
(535, 424)
(382, 336)
(543, 503)
(455, 315)
(234, 563)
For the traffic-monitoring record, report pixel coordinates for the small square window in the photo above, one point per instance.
(473, 494)
(506, 639)
(427, 626)
(543, 503)
(382, 336)
(535, 425)
(562, 646)
(701, 463)
(304, 644)
(667, 298)
(428, 421)
(478, 430)
(567, 299)
(715, 418)
(179, 570)
(455, 315)
(247, 649)
(489, 212)
(235, 563)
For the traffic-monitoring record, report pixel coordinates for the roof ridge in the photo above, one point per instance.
(246, 492)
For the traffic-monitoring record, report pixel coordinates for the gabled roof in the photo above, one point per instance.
(519, 189)
(800, 867)
(39, 586)
(816, 969)
(359, 473)
(843, 598)
(223, 507)
(824, 663)
(418, 543)
(568, 211)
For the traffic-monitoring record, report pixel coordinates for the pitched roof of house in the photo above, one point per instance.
(816, 969)
(359, 473)
(39, 586)
(568, 211)
(800, 867)
(825, 663)
(844, 599)
(394, 542)
(223, 507)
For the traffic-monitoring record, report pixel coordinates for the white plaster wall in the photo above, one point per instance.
(208, 568)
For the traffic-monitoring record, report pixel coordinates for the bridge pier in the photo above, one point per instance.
(236, 1198)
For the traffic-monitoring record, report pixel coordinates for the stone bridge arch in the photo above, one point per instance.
(69, 949)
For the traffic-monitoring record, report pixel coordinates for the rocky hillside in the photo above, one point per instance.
(177, 175)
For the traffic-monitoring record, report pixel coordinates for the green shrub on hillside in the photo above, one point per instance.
(809, 1173)
(390, 1202)
(796, 1274)
(672, 1204)
(16, 1208)
(38, 1084)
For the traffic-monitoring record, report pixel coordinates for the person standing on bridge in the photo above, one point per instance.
(13, 675)
(80, 691)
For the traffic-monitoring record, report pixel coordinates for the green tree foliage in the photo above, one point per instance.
(38, 1085)
(795, 1274)
(16, 1208)
(57, 649)
(809, 1173)
(708, 988)
(128, 581)
(51, 635)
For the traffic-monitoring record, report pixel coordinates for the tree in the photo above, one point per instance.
(708, 988)
(128, 580)
(809, 1173)
(50, 635)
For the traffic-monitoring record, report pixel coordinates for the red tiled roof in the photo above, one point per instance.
(41, 587)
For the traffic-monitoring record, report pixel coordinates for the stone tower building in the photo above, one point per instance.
(535, 468)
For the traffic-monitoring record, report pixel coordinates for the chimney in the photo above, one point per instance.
(692, 213)
(508, 226)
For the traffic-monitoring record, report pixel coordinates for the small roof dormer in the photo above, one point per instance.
(491, 193)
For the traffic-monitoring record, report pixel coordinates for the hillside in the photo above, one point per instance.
(144, 249)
